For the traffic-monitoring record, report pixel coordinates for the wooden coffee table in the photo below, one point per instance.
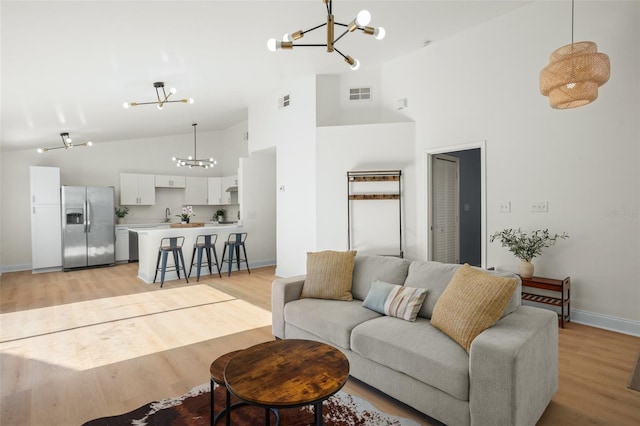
(287, 374)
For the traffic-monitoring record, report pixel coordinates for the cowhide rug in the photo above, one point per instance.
(192, 409)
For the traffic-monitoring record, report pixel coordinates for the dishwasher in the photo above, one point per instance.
(133, 246)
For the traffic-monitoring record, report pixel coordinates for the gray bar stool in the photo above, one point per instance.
(234, 242)
(170, 245)
(205, 243)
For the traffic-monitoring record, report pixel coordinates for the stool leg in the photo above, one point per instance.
(238, 257)
(244, 249)
(199, 261)
(231, 250)
(217, 264)
(208, 252)
(157, 264)
(176, 263)
(193, 255)
(164, 267)
(184, 266)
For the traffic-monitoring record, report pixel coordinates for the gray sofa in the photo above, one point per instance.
(508, 376)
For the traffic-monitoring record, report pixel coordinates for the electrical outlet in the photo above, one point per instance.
(540, 206)
(505, 206)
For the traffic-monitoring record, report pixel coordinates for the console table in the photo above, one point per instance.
(562, 300)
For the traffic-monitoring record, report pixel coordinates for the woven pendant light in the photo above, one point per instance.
(574, 73)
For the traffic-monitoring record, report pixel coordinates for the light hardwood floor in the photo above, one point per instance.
(595, 364)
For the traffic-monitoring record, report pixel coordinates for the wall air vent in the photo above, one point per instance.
(360, 94)
(284, 101)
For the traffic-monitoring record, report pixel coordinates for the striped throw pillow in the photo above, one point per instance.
(395, 300)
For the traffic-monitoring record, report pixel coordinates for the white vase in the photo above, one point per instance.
(525, 269)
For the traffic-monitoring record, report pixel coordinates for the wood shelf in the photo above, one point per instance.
(562, 301)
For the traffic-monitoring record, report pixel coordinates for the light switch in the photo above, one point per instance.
(505, 206)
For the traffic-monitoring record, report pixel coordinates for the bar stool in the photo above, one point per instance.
(170, 245)
(205, 243)
(234, 242)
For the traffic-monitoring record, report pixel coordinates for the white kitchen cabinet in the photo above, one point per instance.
(196, 191)
(137, 189)
(163, 181)
(215, 190)
(122, 243)
(45, 185)
(46, 224)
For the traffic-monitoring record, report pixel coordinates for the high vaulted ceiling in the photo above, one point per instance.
(68, 66)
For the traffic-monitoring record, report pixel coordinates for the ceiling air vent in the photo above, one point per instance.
(284, 101)
(360, 94)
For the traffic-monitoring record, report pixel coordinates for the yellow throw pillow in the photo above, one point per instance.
(472, 302)
(329, 275)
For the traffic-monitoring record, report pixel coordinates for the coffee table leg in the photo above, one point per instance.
(317, 413)
(267, 416)
(211, 402)
(228, 416)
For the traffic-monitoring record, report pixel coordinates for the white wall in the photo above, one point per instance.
(364, 147)
(257, 176)
(101, 165)
(483, 85)
(292, 131)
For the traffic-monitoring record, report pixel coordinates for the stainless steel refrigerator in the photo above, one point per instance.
(88, 228)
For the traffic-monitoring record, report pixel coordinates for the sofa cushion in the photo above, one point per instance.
(472, 302)
(395, 300)
(436, 276)
(331, 320)
(368, 268)
(416, 349)
(329, 275)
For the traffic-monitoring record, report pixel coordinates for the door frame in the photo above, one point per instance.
(428, 193)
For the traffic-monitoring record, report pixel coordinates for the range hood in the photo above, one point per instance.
(232, 189)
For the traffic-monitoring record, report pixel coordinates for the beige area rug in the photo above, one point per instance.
(94, 333)
(634, 381)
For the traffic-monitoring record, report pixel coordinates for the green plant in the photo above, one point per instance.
(523, 246)
(122, 211)
(221, 212)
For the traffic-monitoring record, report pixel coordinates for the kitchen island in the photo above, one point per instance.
(149, 242)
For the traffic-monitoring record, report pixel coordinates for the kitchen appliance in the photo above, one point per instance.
(88, 226)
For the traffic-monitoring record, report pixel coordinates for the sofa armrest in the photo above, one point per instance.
(283, 291)
(513, 368)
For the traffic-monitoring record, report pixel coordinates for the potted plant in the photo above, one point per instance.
(186, 213)
(526, 247)
(221, 214)
(121, 212)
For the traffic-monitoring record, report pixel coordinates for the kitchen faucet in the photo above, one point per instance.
(167, 213)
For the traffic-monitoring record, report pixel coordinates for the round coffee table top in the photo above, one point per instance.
(217, 367)
(286, 373)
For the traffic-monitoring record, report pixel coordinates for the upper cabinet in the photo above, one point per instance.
(163, 181)
(228, 183)
(45, 185)
(196, 192)
(137, 189)
(215, 190)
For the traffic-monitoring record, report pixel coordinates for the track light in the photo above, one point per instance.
(67, 143)
(163, 97)
(359, 23)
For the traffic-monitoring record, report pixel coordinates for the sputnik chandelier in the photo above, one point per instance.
(192, 162)
(162, 96)
(360, 23)
(574, 73)
(67, 143)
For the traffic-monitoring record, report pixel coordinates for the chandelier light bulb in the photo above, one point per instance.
(363, 18)
(160, 106)
(173, 90)
(40, 150)
(211, 160)
(126, 105)
(173, 158)
(190, 100)
(89, 143)
(272, 44)
(287, 37)
(379, 33)
(190, 158)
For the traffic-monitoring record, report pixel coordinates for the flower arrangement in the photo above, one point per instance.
(187, 212)
(121, 212)
(526, 247)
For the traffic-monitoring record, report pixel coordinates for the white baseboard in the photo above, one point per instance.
(606, 322)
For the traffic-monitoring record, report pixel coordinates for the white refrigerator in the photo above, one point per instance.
(88, 226)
